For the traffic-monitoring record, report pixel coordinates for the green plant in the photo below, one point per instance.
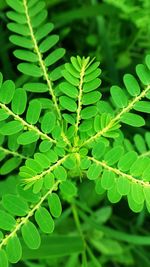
(65, 137)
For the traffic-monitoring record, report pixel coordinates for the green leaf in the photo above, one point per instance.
(70, 68)
(113, 155)
(26, 55)
(7, 91)
(19, 29)
(34, 10)
(88, 112)
(44, 220)
(134, 206)
(140, 143)
(92, 76)
(48, 43)
(133, 120)
(54, 205)
(68, 103)
(56, 73)
(137, 193)
(85, 126)
(98, 187)
(68, 189)
(54, 56)
(108, 179)
(85, 163)
(14, 249)
(146, 191)
(17, 6)
(94, 171)
(34, 165)
(32, 117)
(123, 186)
(75, 64)
(15, 205)
(92, 68)
(142, 106)
(48, 181)
(27, 138)
(105, 120)
(44, 30)
(60, 173)
(98, 150)
(3, 115)
(7, 222)
(143, 73)
(11, 127)
(69, 118)
(92, 85)
(127, 160)
(113, 195)
(9, 165)
(42, 160)
(118, 96)
(68, 89)
(37, 187)
(36, 87)
(21, 41)
(139, 166)
(91, 98)
(3, 258)
(48, 122)
(30, 69)
(31, 235)
(131, 84)
(19, 101)
(17, 17)
(69, 78)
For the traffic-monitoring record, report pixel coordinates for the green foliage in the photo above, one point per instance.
(69, 141)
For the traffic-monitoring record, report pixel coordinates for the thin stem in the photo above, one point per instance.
(82, 73)
(78, 224)
(13, 153)
(145, 154)
(117, 117)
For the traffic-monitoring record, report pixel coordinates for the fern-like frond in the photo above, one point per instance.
(32, 37)
(120, 173)
(125, 104)
(78, 96)
(18, 206)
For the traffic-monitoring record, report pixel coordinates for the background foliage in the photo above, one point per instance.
(118, 34)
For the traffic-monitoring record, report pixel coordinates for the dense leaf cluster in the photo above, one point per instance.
(69, 136)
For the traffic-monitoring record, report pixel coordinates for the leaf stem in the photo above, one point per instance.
(119, 173)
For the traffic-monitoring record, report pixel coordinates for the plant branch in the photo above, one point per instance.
(119, 173)
(24, 220)
(27, 125)
(13, 153)
(117, 117)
